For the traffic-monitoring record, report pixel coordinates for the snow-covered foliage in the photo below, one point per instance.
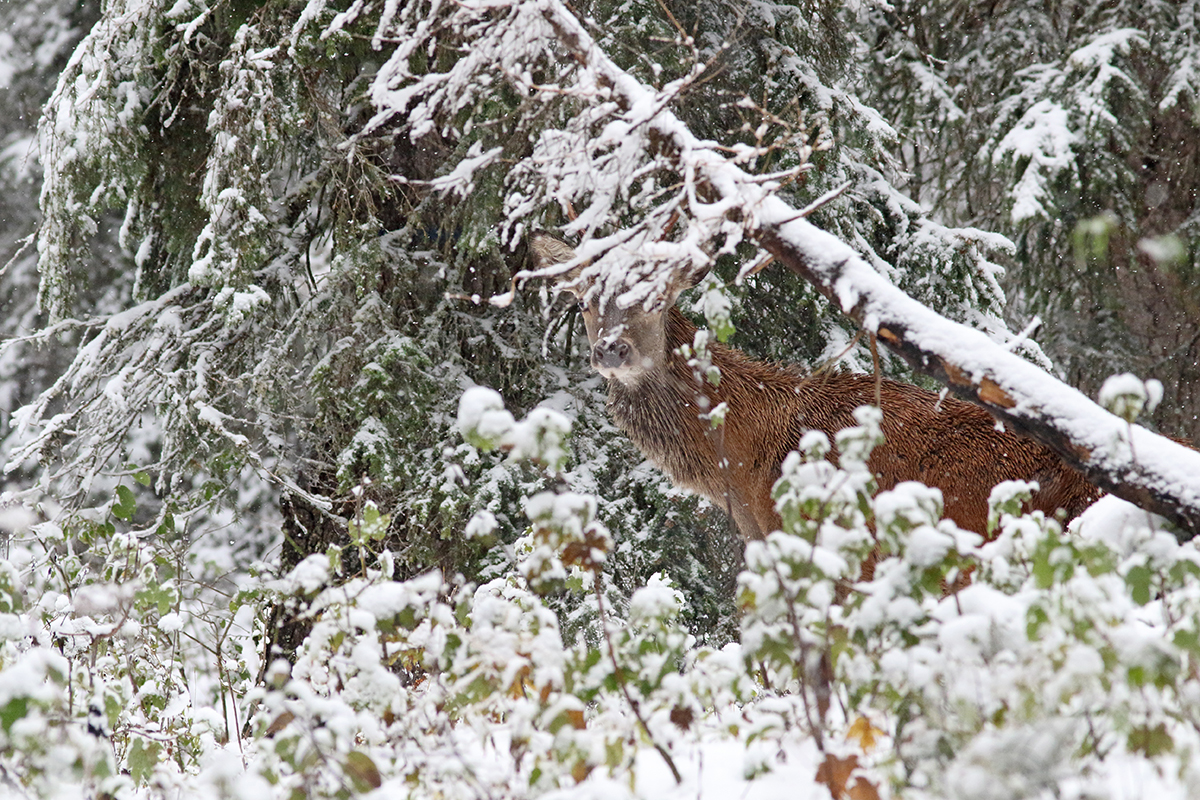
(268, 536)
(1040, 664)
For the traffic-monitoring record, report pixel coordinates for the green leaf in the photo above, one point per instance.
(614, 753)
(1137, 675)
(124, 506)
(160, 597)
(113, 708)
(1153, 741)
(142, 758)
(334, 553)
(1035, 618)
(12, 711)
(371, 526)
(1043, 572)
(1188, 641)
(1138, 579)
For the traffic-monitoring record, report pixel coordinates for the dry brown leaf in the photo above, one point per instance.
(862, 789)
(834, 773)
(683, 717)
(581, 770)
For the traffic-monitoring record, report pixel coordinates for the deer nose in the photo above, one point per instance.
(610, 354)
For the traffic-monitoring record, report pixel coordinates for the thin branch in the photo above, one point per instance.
(619, 676)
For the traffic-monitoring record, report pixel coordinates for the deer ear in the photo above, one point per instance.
(686, 280)
(547, 250)
(693, 278)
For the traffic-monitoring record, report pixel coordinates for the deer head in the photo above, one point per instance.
(627, 343)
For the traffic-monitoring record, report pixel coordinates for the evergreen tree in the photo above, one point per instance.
(39, 38)
(1072, 128)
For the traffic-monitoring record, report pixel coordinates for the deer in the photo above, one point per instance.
(656, 399)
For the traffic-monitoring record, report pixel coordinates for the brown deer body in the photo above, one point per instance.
(655, 398)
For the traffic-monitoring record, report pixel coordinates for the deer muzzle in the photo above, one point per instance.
(610, 356)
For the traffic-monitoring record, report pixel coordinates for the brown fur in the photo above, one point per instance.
(946, 443)
(658, 402)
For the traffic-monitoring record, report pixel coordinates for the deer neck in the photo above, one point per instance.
(662, 411)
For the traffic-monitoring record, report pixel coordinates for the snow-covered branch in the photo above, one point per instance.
(1127, 460)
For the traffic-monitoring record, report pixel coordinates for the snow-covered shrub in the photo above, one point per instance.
(883, 653)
